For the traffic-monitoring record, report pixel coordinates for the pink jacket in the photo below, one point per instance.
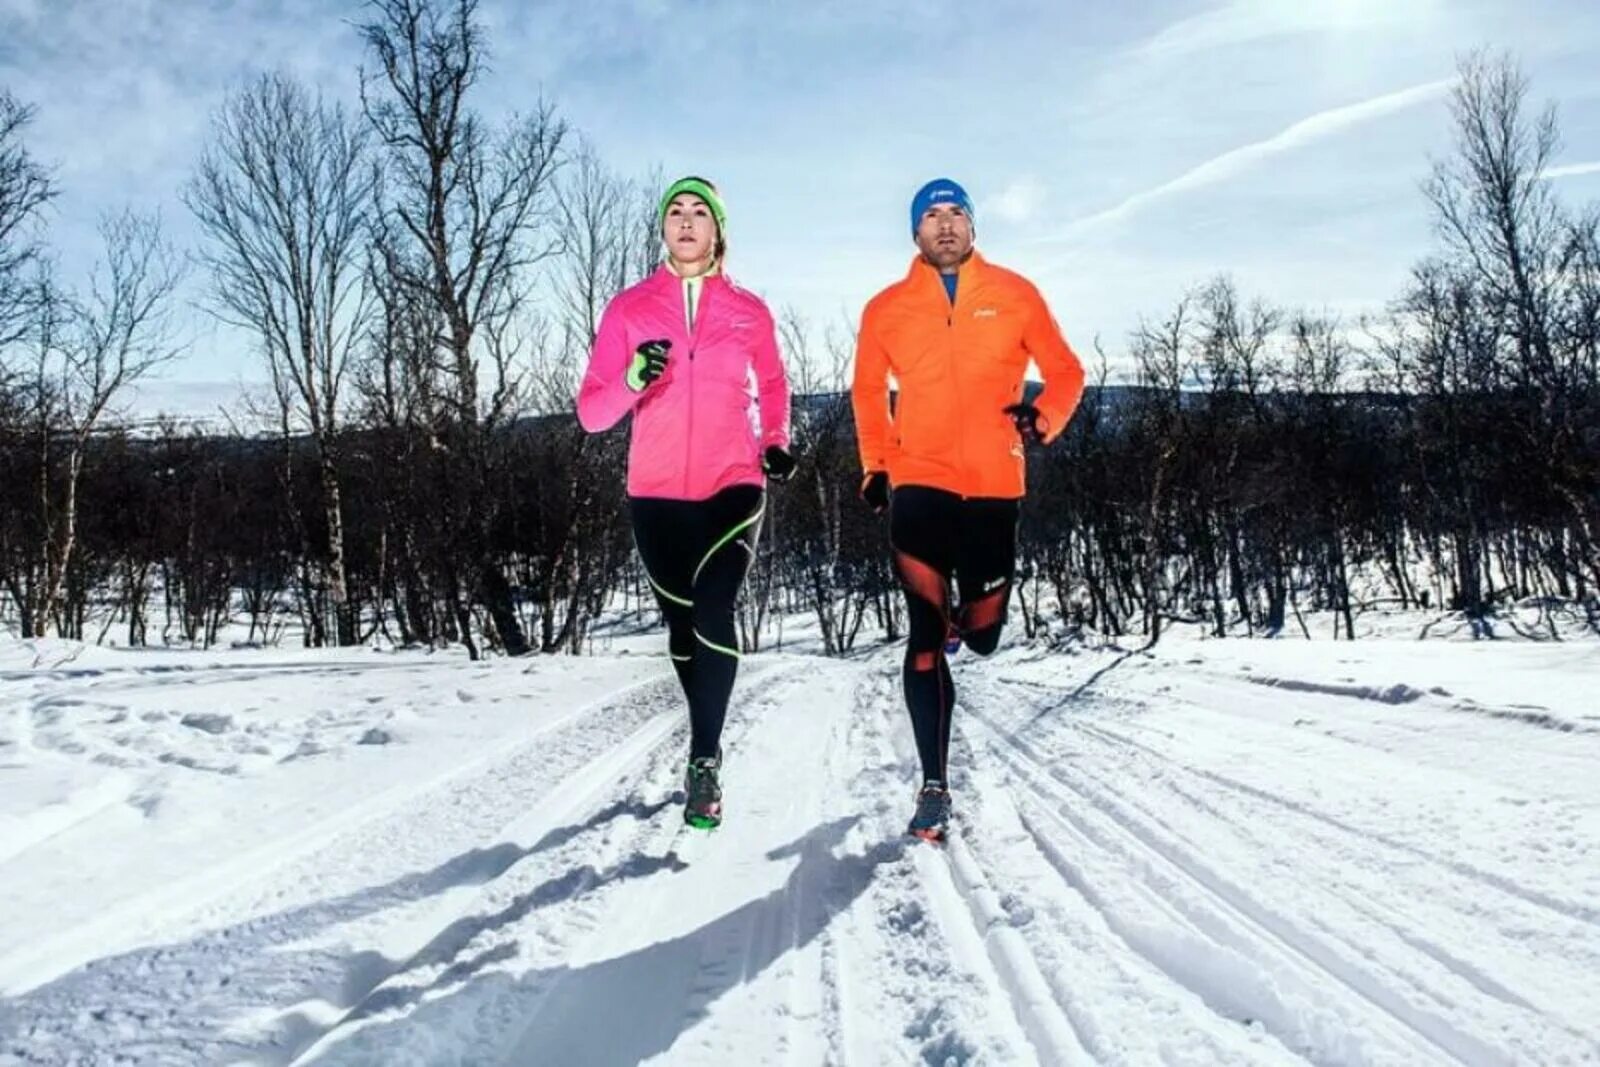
(692, 429)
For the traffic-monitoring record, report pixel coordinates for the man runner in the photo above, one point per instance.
(945, 458)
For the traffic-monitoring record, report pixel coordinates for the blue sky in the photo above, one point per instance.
(1118, 153)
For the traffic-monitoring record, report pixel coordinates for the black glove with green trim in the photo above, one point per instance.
(649, 363)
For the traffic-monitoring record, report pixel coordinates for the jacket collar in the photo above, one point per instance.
(665, 279)
(924, 276)
(716, 269)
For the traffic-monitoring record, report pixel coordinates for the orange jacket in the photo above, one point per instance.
(957, 368)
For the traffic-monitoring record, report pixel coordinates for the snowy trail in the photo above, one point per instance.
(1151, 863)
(257, 867)
(255, 944)
(756, 943)
(1248, 963)
(1345, 943)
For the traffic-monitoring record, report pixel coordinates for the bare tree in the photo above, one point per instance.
(87, 353)
(1583, 321)
(1320, 353)
(25, 188)
(1522, 260)
(821, 534)
(592, 205)
(609, 240)
(1494, 209)
(606, 226)
(464, 224)
(285, 193)
(1165, 360)
(1233, 340)
(399, 381)
(811, 374)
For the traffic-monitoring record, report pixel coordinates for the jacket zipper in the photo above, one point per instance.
(694, 340)
(688, 431)
(950, 354)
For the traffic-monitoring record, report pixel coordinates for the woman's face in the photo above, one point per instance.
(689, 229)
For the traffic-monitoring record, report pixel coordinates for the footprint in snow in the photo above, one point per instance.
(209, 722)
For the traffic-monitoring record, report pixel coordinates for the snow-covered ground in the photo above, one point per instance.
(1385, 852)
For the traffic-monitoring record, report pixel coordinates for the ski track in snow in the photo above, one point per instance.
(826, 894)
(1135, 876)
(353, 832)
(1224, 928)
(1329, 965)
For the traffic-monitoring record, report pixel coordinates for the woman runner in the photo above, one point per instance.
(679, 351)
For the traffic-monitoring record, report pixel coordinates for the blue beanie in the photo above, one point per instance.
(939, 191)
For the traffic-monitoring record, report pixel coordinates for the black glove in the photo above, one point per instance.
(875, 490)
(649, 361)
(777, 463)
(1029, 422)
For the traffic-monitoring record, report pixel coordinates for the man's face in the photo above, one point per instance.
(944, 235)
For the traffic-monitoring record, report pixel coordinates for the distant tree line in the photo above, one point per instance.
(423, 290)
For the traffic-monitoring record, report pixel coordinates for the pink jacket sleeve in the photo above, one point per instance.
(604, 396)
(772, 386)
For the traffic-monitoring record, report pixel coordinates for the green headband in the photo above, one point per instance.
(705, 191)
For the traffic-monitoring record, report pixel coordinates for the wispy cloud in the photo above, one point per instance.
(1237, 161)
(1018, 202)
(1245, 22)
(1142, 100)
(1234, 24)
(1570, 170)
(123, 90)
